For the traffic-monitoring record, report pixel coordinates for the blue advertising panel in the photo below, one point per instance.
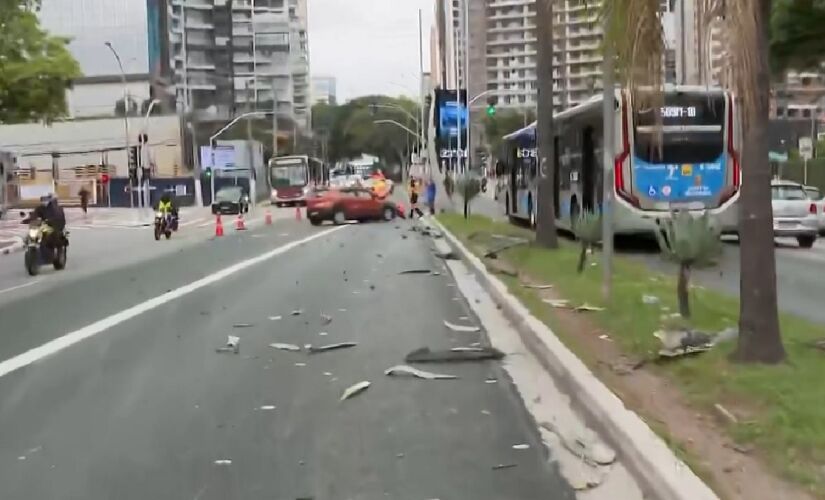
(680, 182)
(449, 113)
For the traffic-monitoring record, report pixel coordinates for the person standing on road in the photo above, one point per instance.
(84, 199)
(431, 195)
(415, 189)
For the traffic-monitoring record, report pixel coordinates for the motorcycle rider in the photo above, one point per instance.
(51, 214)
(167, 207)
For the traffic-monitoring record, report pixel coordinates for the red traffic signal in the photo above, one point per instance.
(104, 178)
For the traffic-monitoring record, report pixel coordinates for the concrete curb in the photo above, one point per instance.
(13, 248)
(657, 470)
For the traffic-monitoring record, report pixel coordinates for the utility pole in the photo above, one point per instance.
(544, 203)
(421, 87)
(608, 152)
(274, 119)
(466, 40)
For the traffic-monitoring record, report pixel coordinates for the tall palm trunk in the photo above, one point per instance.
(759, 336)
(545, 204)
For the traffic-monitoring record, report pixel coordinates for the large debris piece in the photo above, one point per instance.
(355, 389)
(425, 355)
(409, 371)
(331, 347)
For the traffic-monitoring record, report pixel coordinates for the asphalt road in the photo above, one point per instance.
(112, 387)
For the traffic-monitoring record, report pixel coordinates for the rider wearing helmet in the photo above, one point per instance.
(166, 206)
(51, 213)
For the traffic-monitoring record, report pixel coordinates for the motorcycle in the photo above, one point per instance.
(38, 254)
(163, 225)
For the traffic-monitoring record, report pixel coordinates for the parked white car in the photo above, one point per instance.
(815, 195)
(794, 215)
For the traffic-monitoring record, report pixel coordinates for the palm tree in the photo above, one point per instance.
(546, 213)
(634, 29)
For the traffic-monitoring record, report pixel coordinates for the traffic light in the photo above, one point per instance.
(207, 172)
(491, 106)
(133, 157)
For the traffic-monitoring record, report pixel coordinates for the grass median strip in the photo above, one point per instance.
(779, 411)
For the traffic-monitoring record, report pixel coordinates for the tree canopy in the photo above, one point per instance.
(350, 129)
(797, 40)
(35, 67)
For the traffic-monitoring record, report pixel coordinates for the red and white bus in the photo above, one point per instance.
(292, 177)
(696, 165)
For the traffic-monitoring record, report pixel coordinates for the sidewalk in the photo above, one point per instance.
(483, 204)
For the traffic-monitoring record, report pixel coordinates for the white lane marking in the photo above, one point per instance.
(53, 346)
(193, 221)
(18, 287)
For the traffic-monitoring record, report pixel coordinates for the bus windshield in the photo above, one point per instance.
(292, 173)
(692, 130)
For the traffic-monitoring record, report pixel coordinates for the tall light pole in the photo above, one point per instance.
(466, 34)
(125, 116)
(215, 136)
(609, 123)
(421, 85)
(144, 150)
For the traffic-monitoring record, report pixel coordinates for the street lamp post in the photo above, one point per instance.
(125, 115)
(144, 152)
(393, 122)
(212, 145)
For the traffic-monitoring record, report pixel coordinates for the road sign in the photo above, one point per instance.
(806, 148)
(777, 157)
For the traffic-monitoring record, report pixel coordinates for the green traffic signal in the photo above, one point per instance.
(491, 110)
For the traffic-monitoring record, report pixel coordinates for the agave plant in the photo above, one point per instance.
(588, 230)
(468, 187)
(691, 242)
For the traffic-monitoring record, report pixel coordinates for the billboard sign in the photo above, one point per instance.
(224, 157)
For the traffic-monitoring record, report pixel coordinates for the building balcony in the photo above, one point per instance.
(511, 41)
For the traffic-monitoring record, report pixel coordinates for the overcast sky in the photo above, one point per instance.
(370, 46)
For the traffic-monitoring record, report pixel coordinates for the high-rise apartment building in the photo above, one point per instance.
(226, 57)
(504, 33)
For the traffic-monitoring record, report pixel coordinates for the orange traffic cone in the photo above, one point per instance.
(268, 217)
(218, 227)
(239, 223)
(297, 212)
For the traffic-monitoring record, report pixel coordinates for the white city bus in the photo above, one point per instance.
(291, 178)
(695, 166)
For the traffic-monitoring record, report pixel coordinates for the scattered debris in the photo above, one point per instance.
(588, 308)
(354, 390)
(537, 287)
(325, 319)
(501, 267)
(503, 466)
(449, 255)
(327, 374)
(403, 236)
(491, 381)
(285, 347)
(677, 343)
(557, 303)
(583, 443)
(725, 414)
(466, 349)
(242, 325)
(233, 345)
(300, 364)
(425, 355)
(275, 318)
(416, 271)
(307, 346)
(739, 448)
(323, 334)
(461, 328)
(650, 299)
(342, 310)
(297, 312)
(267, 407)
(404, 370)
(435, 273)
(331, 347)
(399, 455)
(486, 412)
(624, 366)
(475, 344)
(514, 242)
(605, 337)
(521, 446)
(464, 318)
(223, 462)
